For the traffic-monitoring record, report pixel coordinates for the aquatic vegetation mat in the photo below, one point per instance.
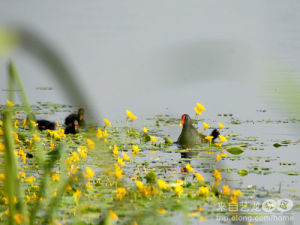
(135, 175)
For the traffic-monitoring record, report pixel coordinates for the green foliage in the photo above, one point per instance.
(235, 150)
(168, 141)
(151, 177)
(277, 145)
(243, 172)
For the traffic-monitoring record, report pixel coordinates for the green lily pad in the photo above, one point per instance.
(168, 141)
(277, 145)
(243, 172)
(234, 150)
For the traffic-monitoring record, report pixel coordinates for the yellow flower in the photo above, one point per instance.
(203, 190)
(145, 130)
(222, 138)
(136, 149)
(226, 190)
(209, 138)
(82, 150)
(120, 161)
(27, 198)
(30, 179)
(209, 152)
(36, 137)
(152, 151)
(221, 125)
(153, 139)
(1, 132)
(118, 172)
(130, 115)
(9, 103)
(223, 154)
(16, 136)
(139, 185)
(105, 133)
(77, 194)
(115, 150)
(51, 146)
(73, 159)
(162, 184)
(189, 168)
(178, 181)
(201, 219)
(89, 173)
(2, 146)
(1, 123)
(162, 211)
(55, 177)
(34, 123)
(121, 193)
(218, 157)
(233, 199)
(91, 143)
(205, 125)
(5, 199)
(125, 157)
(236, 193)
(107, 123)
(2, 176)
(16, 124)
(25, 122)
(218, 144)
(54, 194)
(19, 218)
(99, 133)
(199, 108)
(112, 215)
(57, 124)
(199, 177)
(179, 190)
(217, 175)
(22, 175)
(198, 111)
(89, 185)
(34, 196)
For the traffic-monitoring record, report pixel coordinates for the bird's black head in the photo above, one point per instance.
(215, 133)
(185, 119)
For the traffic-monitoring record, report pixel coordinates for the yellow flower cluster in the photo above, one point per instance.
(57, 134)
(145, 189)
(199, 108)
(102, 134)
(135, 149)
(121, 193)
(130, 115)
(118, 171)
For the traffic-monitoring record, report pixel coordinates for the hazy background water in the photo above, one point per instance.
(157, 57)
(148, 56)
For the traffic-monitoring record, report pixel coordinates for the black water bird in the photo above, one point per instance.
(42, 124)
(72, 128)
(190, 136)
(79, 117)
(45, 125)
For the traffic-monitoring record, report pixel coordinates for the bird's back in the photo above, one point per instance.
(190, 136)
